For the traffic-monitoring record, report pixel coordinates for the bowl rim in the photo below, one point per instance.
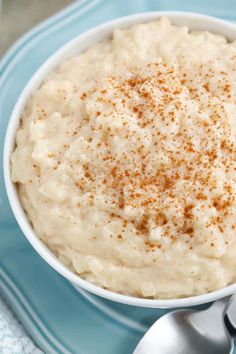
(104, 30)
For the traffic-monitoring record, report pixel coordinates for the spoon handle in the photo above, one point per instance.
(231, 311)
(220, 306)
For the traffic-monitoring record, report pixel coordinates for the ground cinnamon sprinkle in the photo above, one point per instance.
(131, 175)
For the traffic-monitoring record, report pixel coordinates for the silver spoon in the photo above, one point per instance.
(189, 332)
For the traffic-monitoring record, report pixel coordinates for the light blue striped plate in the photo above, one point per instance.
(58, 317)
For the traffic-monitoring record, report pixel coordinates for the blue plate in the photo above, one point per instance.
(58, 317)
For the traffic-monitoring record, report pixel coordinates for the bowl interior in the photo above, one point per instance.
(76, 46)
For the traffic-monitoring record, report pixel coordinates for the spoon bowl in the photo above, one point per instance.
(189, 331)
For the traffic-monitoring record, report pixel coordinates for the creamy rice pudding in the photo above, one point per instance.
(125, 162)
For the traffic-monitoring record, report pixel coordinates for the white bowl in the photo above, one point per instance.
(78, 45)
